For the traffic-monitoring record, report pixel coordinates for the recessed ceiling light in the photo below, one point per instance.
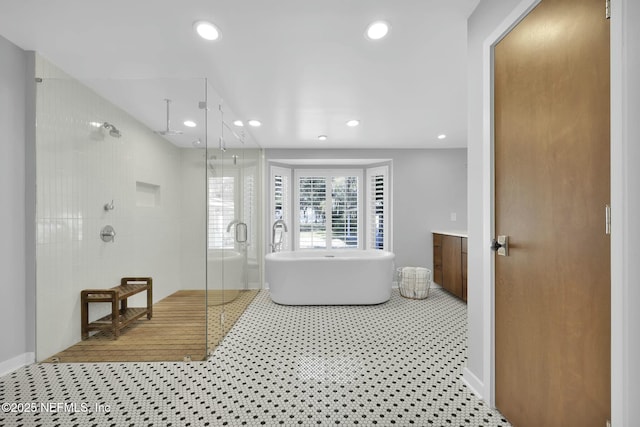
(353, 123)
(442, 136)
(95, 124)
(238, 123)
(206, 30)
(190, 123)
(197, 143)
(377, 30)
(322, 137)
(254, 123)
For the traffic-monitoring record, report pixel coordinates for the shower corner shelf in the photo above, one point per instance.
(121, 315)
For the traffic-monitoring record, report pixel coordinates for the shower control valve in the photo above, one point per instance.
(109, 206)
(108, 234)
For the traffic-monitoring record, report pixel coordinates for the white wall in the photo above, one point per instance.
(631, 143)
(487, 16)
(428, 185)
(79, 169)
(193, 219)
(17, 340)
(625, 198)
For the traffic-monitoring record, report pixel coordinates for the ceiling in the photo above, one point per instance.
(303, 68)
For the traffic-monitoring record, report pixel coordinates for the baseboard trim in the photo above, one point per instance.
(8, 366)
(472, 382)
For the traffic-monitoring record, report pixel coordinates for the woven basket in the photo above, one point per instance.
(414, 282)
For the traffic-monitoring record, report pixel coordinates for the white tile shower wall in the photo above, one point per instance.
(194, 239)
(80, 168)
(13, 305)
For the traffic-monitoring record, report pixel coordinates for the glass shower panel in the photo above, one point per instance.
(233, 248)
(219, 213)
(251, 175)
(119, 196)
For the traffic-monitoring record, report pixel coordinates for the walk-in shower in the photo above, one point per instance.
(173, 199)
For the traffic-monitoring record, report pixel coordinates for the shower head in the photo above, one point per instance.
(168, 131)
(113, 131)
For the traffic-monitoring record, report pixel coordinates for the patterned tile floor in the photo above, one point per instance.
(397, 363)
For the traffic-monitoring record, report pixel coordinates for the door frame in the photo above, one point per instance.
(619, 281)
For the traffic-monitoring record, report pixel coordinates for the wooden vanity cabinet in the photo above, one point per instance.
(464, 269)
(437, 258)
(450, 263)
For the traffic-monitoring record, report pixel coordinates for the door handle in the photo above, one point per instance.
(241, 232)
(501, 246)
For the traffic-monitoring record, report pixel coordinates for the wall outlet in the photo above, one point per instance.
(454, 216)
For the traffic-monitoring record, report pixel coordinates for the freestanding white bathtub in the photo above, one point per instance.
(337, 277)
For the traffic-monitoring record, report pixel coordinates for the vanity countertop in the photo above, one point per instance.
(457, 233)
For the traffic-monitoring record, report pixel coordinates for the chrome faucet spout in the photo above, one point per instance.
(280, 222)
(275, 246)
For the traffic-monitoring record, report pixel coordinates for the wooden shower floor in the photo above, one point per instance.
(177, 329)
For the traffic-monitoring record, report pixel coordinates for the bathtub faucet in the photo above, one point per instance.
(276, 246)
(231, 224)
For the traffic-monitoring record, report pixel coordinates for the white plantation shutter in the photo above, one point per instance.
(312, 198)
(281, 201)
(328, 207)
(250, 211)
(378, 225)
(221, 211)
(345, 211)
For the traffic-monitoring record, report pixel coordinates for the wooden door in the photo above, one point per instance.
(552, 318)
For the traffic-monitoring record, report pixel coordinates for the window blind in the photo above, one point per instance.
(312, 197)
(249, 211)
(281, 203)
(377, 208)
(221, 212)
(344, 211)
(336, 208)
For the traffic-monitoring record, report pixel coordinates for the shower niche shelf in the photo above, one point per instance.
(147, 195)
(121, 314)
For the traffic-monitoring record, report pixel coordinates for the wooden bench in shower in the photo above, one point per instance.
(121, 314)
